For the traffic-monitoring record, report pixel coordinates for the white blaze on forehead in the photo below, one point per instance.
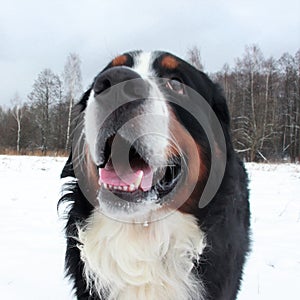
(155, 106)
(143, 64)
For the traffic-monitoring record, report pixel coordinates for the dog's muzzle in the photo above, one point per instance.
(127, 132)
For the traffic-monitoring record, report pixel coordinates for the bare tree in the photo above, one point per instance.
(194, 58)
(58, 125)
(45, 93)
(297, 110)
(268, 122)
(290, 110)
(73, 86)
(17, 112)
(249, 72)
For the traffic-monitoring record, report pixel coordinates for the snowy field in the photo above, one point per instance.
(32, 244)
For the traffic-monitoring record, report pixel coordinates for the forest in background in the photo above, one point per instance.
(263, 96)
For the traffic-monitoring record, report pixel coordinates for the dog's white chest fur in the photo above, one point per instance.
(133, 262)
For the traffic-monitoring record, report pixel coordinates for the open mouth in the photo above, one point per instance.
(137, 181)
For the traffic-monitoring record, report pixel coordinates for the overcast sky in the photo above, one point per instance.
(38, 34)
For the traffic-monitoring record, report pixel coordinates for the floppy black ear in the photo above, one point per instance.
(220, 106)
(68, 168)
(213, 93)
(84, 99)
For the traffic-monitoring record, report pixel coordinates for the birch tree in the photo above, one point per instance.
(73, 87)
(194, 58)
(17, 112)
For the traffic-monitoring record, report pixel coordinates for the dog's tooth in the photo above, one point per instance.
(138, 181)
(131, 188)
(110, 186)
(120, 188)
(105, 185)
(115, 187)
(125, 188)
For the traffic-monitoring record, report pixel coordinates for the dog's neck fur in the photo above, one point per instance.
(130, 261)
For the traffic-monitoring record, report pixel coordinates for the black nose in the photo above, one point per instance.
(115, 75)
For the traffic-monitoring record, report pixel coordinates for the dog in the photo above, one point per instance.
(157, 197)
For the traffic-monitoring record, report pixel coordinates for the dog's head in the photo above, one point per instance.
(146, 137)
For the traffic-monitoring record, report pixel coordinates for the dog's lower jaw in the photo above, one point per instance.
(129, 261)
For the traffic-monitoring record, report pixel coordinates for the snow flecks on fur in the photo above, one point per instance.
(131, 261)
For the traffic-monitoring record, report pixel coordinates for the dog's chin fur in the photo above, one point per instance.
(126, 261)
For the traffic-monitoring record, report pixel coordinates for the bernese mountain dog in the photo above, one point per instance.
(157, 197)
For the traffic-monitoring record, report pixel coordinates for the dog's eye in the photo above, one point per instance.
(175, 85)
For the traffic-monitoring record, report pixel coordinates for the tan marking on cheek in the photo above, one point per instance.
(197, 169)
(169, 62)
(119, 60)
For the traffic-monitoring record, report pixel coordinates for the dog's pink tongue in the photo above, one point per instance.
(109, 176)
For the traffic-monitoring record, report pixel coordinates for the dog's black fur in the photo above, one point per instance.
(225, 220)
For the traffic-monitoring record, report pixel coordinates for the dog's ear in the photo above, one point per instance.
(219, 106)
(213, 93)
(68, 170)
(84, 99)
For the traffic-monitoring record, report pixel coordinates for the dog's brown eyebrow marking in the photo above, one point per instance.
(119, 60)
(169, 62)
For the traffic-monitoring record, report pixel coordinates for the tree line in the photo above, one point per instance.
(42, 123)
(263, 97)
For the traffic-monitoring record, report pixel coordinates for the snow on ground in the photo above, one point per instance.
(32, 243)
(273, 268)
